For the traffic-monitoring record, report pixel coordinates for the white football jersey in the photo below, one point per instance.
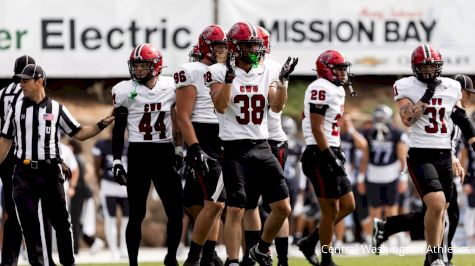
(434, 128)
(323, 93)
(274, 122)
(246, 115)
(193, 74)
(149, 110)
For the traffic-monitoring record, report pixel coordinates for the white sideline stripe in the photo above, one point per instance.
(219, 188)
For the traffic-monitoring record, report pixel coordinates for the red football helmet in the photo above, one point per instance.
(145, 53)
(425, 54)
(195, 54)
(210, 36)
(326, 64)
(264, 35)
(241, 37)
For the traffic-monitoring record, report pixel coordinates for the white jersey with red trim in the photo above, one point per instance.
(274, 121)
(193, 74)
(246, 115)
(434, 128)
(323, 94)
(149, 110)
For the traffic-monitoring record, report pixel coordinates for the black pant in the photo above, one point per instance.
(45, 184)
(153, 162)
(11, 232)
(76, 207)
(12, 235)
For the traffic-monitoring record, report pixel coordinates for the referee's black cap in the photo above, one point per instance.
(465, 82)
(32, 71)
(21, 62)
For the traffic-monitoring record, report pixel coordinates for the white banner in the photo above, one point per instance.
(378, 37)
(93, 38)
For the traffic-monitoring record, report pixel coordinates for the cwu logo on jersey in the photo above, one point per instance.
(249, 88)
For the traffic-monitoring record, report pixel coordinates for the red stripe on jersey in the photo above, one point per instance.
(414, 179)
(320, 182)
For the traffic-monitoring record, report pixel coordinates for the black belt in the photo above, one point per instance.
(41, 163)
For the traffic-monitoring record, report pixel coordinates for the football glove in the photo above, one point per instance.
(335, 165)
(197, 159)
(230, 75)
(120, 175)
(288, 68)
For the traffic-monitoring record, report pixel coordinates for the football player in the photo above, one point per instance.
(112, 196)
(278, 143)
(414, 221)
(427, 102)
(385, 157)
(204, 195)
(323, 159)
(144, 106)
(241, 95)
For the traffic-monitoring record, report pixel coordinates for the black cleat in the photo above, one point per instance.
(191, 263)
(264, 259)
(247, 261)
(329, 263)
(170, 261)
(308, 251)
(215, 260)
(378, 235)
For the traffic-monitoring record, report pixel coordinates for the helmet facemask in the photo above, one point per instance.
(250, 52)
(427, 71)
(338, 78)
(143, 70)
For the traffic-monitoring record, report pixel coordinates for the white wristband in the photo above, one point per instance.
(351, 130)
(116, 162)
(360, 178)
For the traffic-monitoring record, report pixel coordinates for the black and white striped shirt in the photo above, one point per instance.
(35, 128)
(8, 97)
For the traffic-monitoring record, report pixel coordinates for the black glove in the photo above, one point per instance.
(431, 87)
(335, 164)
(66, 171)
(120, 175)
(230, 75)
(341, 155)
(288, 68)
(197, 159)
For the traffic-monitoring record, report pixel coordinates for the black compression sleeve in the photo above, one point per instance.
(118, 131)
(320, 109)
(459, 116)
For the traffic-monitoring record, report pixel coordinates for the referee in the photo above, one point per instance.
(12, 232)
(35, 122)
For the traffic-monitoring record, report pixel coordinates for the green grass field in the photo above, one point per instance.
(459, 260)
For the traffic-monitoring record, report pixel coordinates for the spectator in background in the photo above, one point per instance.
(113, 196)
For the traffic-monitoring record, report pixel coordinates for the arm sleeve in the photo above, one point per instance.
(118, 131)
